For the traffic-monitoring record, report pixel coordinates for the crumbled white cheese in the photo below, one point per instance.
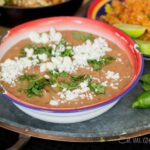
(54, 85)
(43, 57)
(96, 79)
(55, 36)
(46, 76)
(11, 69)
(112, 85)
(35, 37)
(29, 52)
(119, 60)
(89, 51)
(44, 38)
(57, 50)
(54, 102)
(59, 63)
(105, 83)
(112, 75)
(81, 92)
(66, 65)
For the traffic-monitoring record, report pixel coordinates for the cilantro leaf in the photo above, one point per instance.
(83, 36)
(97, 88)
(78, 78)
(35, 87)
(28, 77)
(67, 52)
(97, 64)
(69, 86)
(38, 50)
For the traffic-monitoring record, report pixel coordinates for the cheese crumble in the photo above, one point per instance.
(11, 69)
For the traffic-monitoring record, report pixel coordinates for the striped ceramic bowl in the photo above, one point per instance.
(72, 115)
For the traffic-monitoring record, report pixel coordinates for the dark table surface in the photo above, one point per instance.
(8, 138)
(119, 123)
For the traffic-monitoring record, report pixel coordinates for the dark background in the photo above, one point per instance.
(8, 138)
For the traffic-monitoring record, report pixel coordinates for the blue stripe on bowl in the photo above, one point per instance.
(85, 109)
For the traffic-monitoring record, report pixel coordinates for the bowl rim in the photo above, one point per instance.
(138, 70)
(39, 7)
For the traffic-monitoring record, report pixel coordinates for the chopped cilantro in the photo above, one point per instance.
(69, 86)
(55, 74)
(78, 78)
(97, 64)
(35, 87)
(43, 50)
(28, 77)
(73, 83)
(97, 88)
(83, 36)
(38, 50)
(68, 48)
(67, 52)
(22, 53)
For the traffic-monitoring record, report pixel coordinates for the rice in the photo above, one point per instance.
(130, 12)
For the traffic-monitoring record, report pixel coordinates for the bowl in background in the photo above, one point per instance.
(73, 115)
(11, 15)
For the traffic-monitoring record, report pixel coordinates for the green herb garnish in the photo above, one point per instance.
(83, 36)
(73, 83)
(35, 87)
(78, 78)
(55, 74)
(43, 50)
(38, 50)
(28, 77)
(97, 64)
(22, 53)
(68, 86)
(97, 88)
(68, 48)
(67, 52)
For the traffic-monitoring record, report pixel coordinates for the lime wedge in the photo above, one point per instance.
(133, 31)
(144, 46)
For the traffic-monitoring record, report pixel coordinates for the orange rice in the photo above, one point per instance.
(130, 12)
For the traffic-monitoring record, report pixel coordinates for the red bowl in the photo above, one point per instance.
(81, 24)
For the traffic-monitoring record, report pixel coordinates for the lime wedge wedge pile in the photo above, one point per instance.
(133, 31)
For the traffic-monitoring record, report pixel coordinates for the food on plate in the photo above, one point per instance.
(134, 31)
(30, 3)
(65, 69)
(135, 12)
(144, 46)
(143, 100)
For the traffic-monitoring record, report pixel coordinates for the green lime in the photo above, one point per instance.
(144, 46)
(133, 31)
